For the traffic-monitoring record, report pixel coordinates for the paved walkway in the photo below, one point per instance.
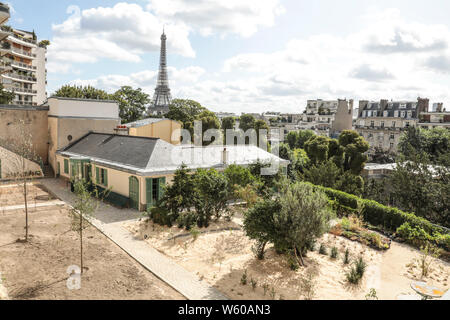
(32, 205)
(109, 220)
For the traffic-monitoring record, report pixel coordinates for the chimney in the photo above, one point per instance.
(225, 156)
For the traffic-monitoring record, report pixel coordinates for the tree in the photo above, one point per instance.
(24, 155)
(44, 43)
(246, 122)
(6, 97)
(261, 125)
(186, 112)
(209, 121)
(238, 176)
(317, 149)
(433, 142)
(259, 224)
(132, 103)
(179, 196)
(211, 195)
(84, 206)
(324, 174)
(82, 92)
(423, 188)
(304, 217)
(297, 139)
(228, 123)
(354, 147)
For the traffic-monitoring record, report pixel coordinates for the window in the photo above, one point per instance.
(66, 166)
(391, 145)
(402, 114)
(372, 123)
(155, 190)
(393, 124)
(385, 114)
(392, 136)
(407, 124)
(101, 176)
(382, 124)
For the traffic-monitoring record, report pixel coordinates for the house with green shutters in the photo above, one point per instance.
(136, 169)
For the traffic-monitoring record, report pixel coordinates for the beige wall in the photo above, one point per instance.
(343, 119)
(11, 163)
(36, 122)
(118, 180)
(162, 129)
(61, 128)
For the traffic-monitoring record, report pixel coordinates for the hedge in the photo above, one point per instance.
(380, 215)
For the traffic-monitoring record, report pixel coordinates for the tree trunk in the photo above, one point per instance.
(298, 256)
(81, 242)
(25, 199)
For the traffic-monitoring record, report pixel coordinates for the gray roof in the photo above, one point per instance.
(124, 150)
(146, 156)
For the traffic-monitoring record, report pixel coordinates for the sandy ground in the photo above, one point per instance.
(222, 257)
(14, 195)
(38, 269)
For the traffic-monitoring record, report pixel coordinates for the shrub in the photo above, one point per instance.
(347, 256)
(187, 220)
(254, 283)
(161, 216)
(308, 284)
(334, 253)
(323, 249)
(356, 273)
(360, 267)
(244, 278)
(292, 262)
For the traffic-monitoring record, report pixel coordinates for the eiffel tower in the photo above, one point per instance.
(162, 97)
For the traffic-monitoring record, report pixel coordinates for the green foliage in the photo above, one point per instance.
(228, 123)
(266, 185)
(132, 103)
(161, 216)
(420, 187)
(82, 92)
(186, 112)
(304, 216)
(253, 283)
(297, 139)
(323, 250)
(244, 278)
(238, 176)
(354, 147)
(44, 43)
(356, 273)
(347, 256)
(292, 262)
(433, 142)
(246, 122)
(334, 253)
(259, 224)
(372, 295)
(210, 198)
(6, 97)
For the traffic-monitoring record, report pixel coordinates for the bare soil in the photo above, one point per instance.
(38, 269)
(222, 254)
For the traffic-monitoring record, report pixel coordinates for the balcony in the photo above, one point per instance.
(23, 52)
(20, 77)
(24, 90)
(18, 37)
(22, 65)
(24, 103)
(4, 13)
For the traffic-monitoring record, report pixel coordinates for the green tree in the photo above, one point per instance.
(238, 176)
(259, 224)
(354, 147)
(6, 97)
(211, 195)
(317, 149)
(228, 123)
(209, 121)
(297, 139)
(132, 103)
(304, 217)
(82, 92)
(186, 112)
(261, 125)
(324, 174)
(179, 196)
(246, 122)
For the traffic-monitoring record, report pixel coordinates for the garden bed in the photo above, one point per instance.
(353, 229)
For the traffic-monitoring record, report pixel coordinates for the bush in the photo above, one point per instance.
(356, 273)
(334, 253)
(244, 278)
(187, 220)
(347, 257)
(292, 262)
(323, 250)
(161, 216)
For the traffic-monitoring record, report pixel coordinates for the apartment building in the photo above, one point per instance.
(22, 64)
(328, 118)
(383, 123)
(438, 117)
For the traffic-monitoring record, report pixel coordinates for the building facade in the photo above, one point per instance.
(165, 129)
(22, 66)
(383, 123)
(438, 117)
(328, 118)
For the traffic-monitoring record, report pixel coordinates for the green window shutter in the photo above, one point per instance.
(162, 183)
(106, 177)
(97, 175)
(66, 166)
(149, 192)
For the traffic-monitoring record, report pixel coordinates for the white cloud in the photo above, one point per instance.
(120, 33)
(243, 17)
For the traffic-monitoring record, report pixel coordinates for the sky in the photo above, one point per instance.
(248, 55)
